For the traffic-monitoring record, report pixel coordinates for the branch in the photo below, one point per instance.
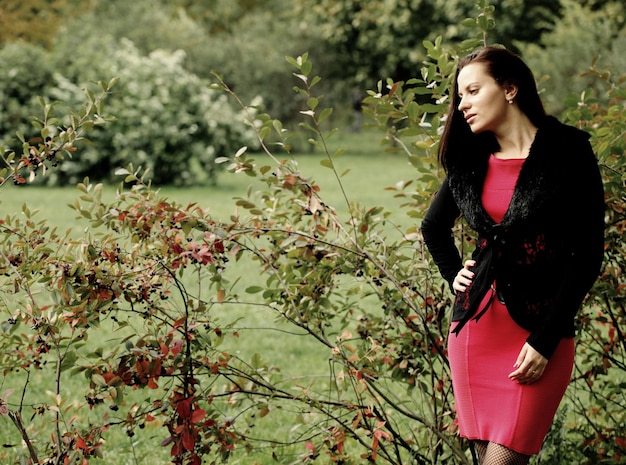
(16, 418)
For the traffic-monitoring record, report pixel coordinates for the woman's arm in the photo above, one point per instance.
(583, 231)
(437, 231)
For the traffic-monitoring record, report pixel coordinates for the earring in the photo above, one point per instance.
(510, 101)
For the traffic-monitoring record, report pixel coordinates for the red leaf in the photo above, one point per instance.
(188, 440)
(183, 407)
(198, 415)
(177, 346)
(219, 246)
(81, 444)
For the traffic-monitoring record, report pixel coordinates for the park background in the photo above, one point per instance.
(292, 272)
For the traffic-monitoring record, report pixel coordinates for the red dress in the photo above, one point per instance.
(489, 405)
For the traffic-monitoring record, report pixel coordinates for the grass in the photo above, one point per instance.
(365, 169)
(368, 170)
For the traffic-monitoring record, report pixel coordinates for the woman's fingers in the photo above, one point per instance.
(464, 277)
(529, 365)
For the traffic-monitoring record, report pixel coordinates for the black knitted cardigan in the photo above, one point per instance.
(546, 253)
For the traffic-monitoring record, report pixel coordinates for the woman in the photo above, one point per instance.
(531, 189)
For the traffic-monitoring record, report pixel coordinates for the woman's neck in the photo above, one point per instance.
(516, 138)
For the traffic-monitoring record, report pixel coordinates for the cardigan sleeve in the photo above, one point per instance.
(437, 228)
(583, 232)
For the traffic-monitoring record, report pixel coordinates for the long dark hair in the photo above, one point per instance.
(507, 69)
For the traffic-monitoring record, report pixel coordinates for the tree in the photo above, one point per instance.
(250, 51)
(378, 39)
(224, 16)
(33, 21)
(564, 54)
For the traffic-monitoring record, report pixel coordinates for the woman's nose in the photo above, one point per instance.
(462, 104)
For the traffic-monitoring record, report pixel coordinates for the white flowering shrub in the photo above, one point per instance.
(167, 119)
(25, 74)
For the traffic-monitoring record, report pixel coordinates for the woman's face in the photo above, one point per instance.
(482, 100)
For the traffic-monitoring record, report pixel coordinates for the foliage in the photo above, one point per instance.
(563, 54)
(34, 21)
(55, 142)
(167, 119)
(150, 25)
(270, 32)
(224, 16)
(359, 286)
(26, 74)
(227, 37)
(381, 38)
(598, 387)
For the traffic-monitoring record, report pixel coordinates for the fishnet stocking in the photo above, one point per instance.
(496, 454)
(481, 450)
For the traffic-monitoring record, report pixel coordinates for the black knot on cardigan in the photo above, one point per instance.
(466, 305)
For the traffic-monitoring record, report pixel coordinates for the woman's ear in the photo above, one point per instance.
(510, 92)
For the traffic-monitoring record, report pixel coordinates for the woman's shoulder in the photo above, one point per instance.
(560, 132)
(565, 151)
(557, 143)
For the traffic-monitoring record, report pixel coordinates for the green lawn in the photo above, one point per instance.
(365, 169)
(369, 170)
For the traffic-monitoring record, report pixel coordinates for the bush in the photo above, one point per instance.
(565, 53)
(26, 73)
(167, 119)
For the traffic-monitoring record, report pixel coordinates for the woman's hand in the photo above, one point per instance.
(530, 366)
(464, 277)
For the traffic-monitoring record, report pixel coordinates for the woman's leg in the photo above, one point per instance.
(499, 455)
(481, 449)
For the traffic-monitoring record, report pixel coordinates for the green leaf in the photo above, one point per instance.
(278, 126)
(413, 110)
(339, 152)
(326, 112)
(469, 22)
(69, 360)
(264, 132)
(325, 162)
(112, 82)
(254, 289)
(483, 22)
(306, 68)
(98, 380)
